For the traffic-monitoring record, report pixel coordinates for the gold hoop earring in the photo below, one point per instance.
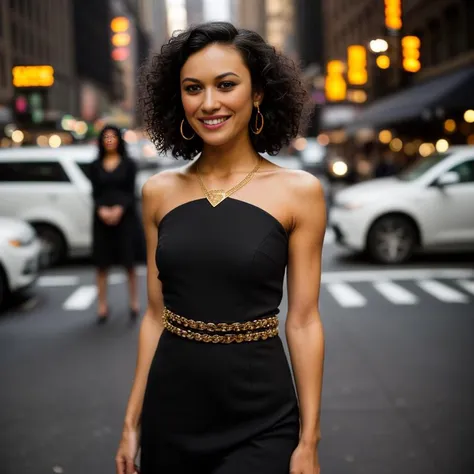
(182, 133)
(258, 129)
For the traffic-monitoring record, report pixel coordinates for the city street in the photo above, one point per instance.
(398, 385)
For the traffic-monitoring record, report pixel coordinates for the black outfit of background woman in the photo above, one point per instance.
(115, 221)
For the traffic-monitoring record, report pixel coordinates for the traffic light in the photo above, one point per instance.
(335, 86)
(120, 38)
(411, 53)
(393, 15)
(357, 65)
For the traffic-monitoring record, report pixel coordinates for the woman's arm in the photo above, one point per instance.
(151, 326)
(304, 328)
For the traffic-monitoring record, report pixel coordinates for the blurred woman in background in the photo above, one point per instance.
(115, 222)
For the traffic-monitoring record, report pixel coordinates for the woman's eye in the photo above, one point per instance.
(226, 85)
(193, 88)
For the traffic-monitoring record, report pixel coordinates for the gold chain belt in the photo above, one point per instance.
(236, 332)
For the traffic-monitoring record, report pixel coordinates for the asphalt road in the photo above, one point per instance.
(398, 388)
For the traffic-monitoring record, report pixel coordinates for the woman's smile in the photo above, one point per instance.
(214, 122)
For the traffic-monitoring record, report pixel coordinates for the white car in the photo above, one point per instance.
(20, 256)
(49, 188)
(429, 206)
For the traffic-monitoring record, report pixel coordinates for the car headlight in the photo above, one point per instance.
(22, 241)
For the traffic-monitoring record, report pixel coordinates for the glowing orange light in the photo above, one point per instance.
(33, 76)
(393, 14)
(411, 53)
(119, 24)
(357, 64)
(121, 39)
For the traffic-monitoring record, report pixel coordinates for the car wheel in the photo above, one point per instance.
(392, 239)
(52, 242)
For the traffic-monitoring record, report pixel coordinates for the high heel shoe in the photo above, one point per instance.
(103, 318)
(133, 314)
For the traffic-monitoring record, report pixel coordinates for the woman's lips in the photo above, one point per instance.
(214, 123)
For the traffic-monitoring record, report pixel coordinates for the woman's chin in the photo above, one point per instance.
(218, 140)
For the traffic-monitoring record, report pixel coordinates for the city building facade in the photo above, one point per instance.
(431, 40)
(38, 33)
(252, 16)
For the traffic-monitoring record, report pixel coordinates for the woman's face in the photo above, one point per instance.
(110, 140)
(216, 91)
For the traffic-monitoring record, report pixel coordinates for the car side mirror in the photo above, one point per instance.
(448, 178)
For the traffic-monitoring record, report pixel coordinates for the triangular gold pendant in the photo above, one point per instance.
(216, 196)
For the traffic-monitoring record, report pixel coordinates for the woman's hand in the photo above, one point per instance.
(110, 215)
(117, 213)
(305, 460)
(105, 214)
(127, 452)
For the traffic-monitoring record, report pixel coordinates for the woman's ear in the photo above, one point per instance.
(257, 98)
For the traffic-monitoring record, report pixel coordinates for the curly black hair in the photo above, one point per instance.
(278, 77)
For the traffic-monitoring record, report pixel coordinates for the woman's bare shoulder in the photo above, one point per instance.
(165, 181)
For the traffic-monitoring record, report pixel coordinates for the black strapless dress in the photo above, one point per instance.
(220, 408)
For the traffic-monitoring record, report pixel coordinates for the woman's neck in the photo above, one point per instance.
(111, 155)
(237, 156)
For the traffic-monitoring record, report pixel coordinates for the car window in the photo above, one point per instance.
(85, 168)
(465, 171)
(33, 171)
(421, 166)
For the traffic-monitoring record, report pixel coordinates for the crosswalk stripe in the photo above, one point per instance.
(346, 296)
(467, 285)
(442, 292)
(82, 298)
(395, 293)
(58, 280)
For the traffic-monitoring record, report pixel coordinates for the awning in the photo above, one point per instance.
(450, 91)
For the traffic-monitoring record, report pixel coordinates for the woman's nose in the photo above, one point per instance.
(210, 103)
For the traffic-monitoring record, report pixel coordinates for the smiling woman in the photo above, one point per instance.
(213, 391)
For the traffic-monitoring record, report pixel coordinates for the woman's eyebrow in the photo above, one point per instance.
(220, 76)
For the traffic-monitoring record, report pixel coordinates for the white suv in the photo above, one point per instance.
(49, 189)
(429, 206)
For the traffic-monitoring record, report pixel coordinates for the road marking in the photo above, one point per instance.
(395, 293)
(467, 285)
(442, 292)
(58, 280)
(116, 278)
(82, 298)
(405, 274)
(346, 296)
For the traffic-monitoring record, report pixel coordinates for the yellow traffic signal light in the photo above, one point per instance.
(119, 24)
(335, 86)
(357, 65)
(411, 53)
(393, 14)
(120, 38)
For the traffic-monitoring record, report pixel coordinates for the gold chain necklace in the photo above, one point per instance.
(216, 196)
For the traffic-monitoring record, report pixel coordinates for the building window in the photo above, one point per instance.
(435, 43)
(454, 31)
